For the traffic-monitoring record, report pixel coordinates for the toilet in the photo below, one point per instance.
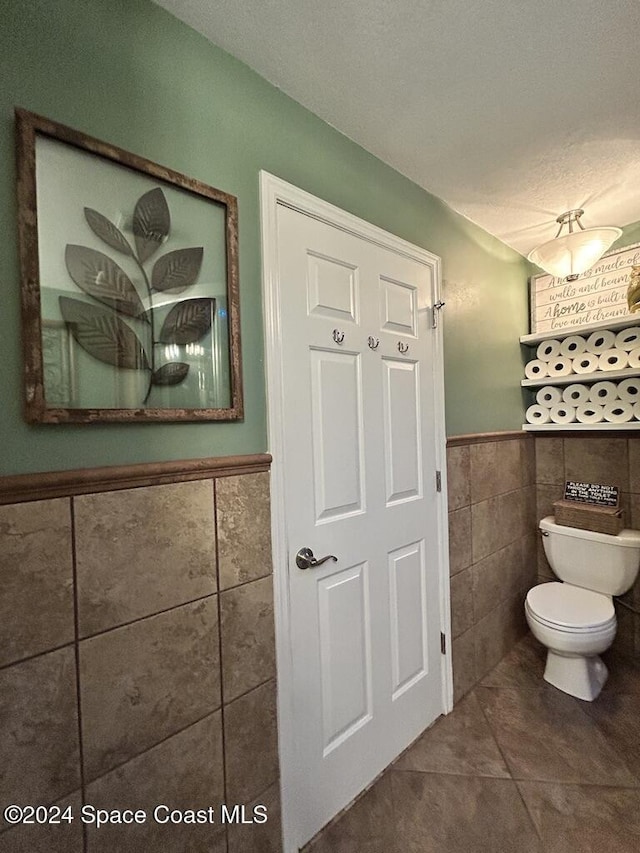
(575, 619)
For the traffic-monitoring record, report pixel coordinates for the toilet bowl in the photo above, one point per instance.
(576, 625)
(575, 619)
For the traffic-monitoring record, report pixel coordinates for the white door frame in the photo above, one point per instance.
(274, 192)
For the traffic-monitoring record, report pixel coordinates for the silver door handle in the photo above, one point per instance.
(306, 560)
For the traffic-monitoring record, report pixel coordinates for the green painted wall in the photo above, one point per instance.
(128, 73)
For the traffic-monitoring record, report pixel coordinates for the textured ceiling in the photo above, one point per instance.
(512, 111)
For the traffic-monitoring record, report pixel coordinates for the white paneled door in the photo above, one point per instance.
(358, 421)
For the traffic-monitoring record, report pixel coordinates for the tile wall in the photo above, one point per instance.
(593, 459)
(492, 546)
(137, 663)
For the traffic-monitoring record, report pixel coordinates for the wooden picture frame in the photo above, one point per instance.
(129, 277)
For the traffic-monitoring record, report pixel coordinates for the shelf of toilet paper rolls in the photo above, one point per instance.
(570, 378)
(602, 352)
(586, 382)
(604, 402)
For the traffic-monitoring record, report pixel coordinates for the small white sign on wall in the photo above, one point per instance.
(598, 295)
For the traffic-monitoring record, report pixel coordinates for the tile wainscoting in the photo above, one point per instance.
(492, 548)
(137, 655)
(137, 660)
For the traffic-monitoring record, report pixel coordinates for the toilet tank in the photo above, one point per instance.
(598, 561)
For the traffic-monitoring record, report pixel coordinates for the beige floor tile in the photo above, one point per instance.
(437, 813)
(367, 827)
(546, 736)
(584, 818)
(460, 743)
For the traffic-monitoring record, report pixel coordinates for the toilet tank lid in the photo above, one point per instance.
(627, 538)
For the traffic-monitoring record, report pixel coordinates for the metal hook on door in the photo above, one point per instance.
(374, 343)
(403, 348)
(338, 336)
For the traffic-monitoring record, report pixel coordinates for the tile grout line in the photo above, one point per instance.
(147, 749)
(76, 621)
(139, 619)
(151, 615)
(37, 655)
(214, 507)
(513, 779)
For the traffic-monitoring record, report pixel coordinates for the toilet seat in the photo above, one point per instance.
(570, 609)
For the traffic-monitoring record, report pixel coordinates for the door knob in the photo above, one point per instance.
(306, 560)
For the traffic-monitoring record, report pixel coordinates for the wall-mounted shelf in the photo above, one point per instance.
(599, 376)
(631, 425)
(584, 331)
(580, 378)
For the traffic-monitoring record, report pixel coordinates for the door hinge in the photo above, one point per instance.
(438, 481)
(438, 306)
(443, 643)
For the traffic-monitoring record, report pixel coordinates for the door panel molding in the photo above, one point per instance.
(275, 192)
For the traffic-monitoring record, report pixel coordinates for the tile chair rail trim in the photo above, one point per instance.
(19, 488)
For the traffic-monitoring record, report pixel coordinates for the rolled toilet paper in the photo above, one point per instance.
(636, 410)
(573, 345)
(589, 413)
(628, 339)
(587, 362)
(613, 359)
(548, 350)
(618, 412)
(600, 341)
(603, 392)
(536, 369)
(537, 415)
(562, 414)
(549, 395)
(634, 358)
(575, 394)
(560, 367)
(629, 390)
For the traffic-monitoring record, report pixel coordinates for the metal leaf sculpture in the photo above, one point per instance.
(103, 334)
(633, 291)
(101, 331)
(175, 271)
(187, 321)
(103, 279)
(171, 373)
(107, 231)
(151, 223)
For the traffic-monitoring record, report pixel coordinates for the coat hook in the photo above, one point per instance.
(338, 336)
(403, 348)
(374, 343)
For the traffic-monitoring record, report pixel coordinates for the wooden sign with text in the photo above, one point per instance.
(598, 295)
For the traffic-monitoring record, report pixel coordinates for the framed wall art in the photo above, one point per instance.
(598, 295)
(129, 285)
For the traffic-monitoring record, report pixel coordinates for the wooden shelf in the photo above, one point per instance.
(604, 425)
(599, 376)
(583, 331)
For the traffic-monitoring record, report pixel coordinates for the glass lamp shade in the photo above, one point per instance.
(571, 254)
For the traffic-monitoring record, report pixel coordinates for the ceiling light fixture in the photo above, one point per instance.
(574, 252)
